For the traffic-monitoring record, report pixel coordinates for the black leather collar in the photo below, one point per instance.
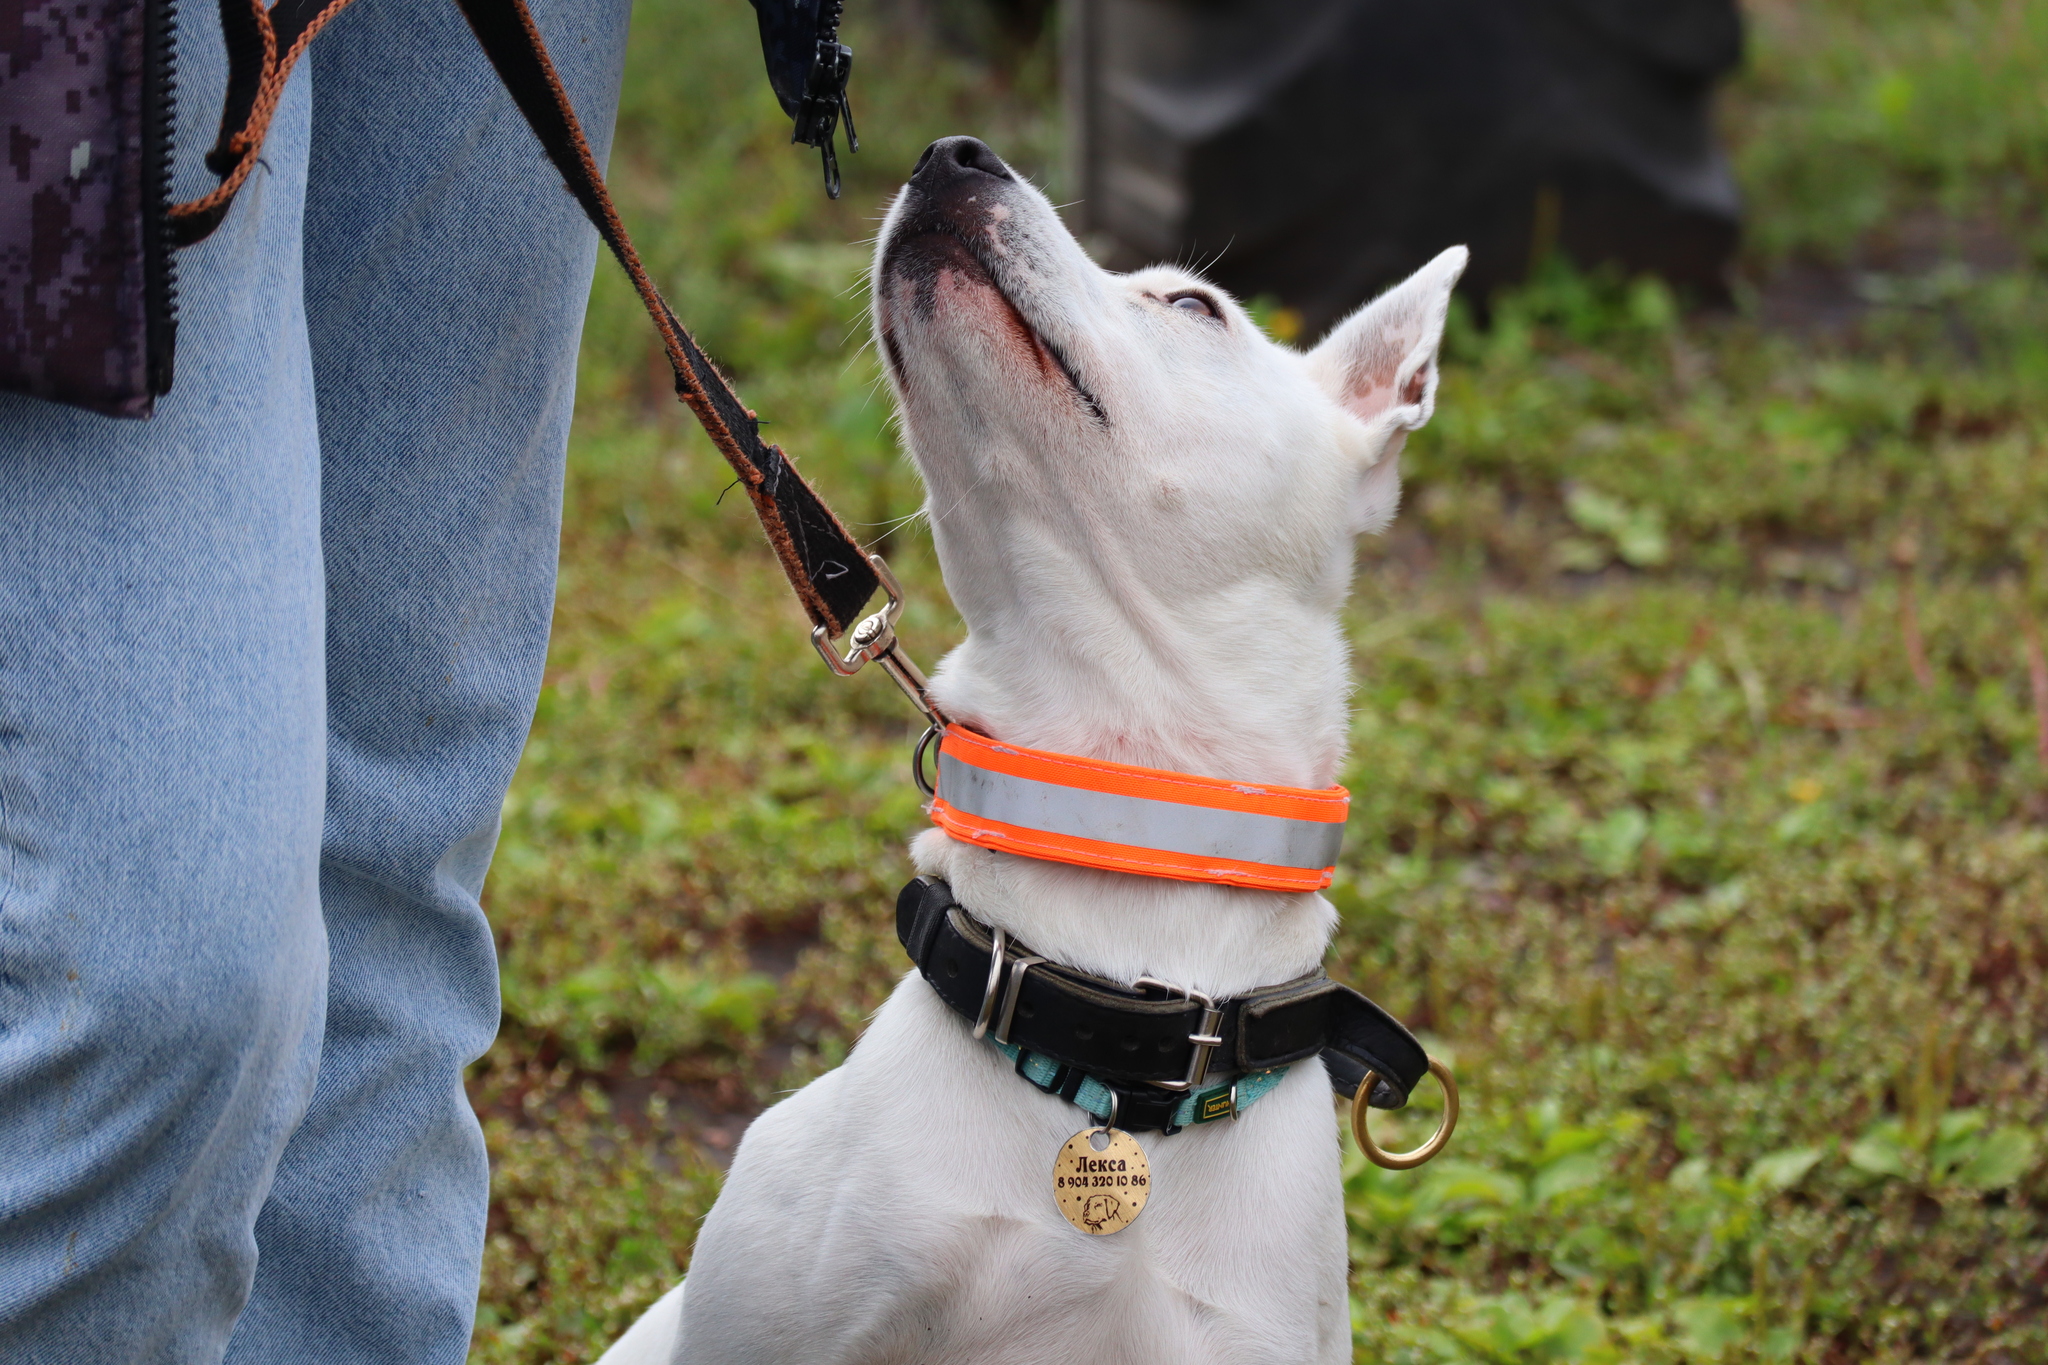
(1137, 1041)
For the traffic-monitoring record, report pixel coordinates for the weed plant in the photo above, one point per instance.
(1700, 806)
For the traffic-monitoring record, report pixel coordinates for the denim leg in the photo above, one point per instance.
(162, 776)
(446, 276)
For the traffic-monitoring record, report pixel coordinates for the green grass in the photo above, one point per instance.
(1726, 891)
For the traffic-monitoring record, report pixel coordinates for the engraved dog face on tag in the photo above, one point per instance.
(1101, 1191)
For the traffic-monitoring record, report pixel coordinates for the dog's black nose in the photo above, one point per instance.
(957, 158)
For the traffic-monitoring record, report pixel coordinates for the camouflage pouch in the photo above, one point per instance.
(88, 294)
(87, 297)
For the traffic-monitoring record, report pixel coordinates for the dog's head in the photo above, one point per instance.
(1143, 505)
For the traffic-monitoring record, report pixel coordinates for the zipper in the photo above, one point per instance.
(159, 130)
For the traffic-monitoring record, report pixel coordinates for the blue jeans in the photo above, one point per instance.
(266, 665)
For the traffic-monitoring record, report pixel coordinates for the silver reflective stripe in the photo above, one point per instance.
(1168, 826)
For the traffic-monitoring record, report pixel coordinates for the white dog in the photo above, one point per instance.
(1145, 510)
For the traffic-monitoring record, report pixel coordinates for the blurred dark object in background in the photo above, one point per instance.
(1327, 147)
(1000, 33)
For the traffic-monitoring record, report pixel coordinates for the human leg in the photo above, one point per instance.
(446, 278)
(162, 704)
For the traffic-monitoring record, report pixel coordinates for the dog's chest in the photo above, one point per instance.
(1239, 1255)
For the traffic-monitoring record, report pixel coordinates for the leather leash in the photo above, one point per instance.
(833, 577)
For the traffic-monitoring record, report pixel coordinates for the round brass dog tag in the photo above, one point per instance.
(1101, 1191)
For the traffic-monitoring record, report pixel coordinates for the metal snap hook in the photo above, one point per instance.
(873, 641)
(1405, 1161)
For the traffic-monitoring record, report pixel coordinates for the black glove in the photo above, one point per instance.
(808, 67)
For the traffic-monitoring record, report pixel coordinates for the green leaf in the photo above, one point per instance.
(1569, 1330)
(2004, 1155)
(1708, 1326)
(739, 1002)
(1651, 306)
(1883, 1151)
(1959, 1123)
(1579, 1171)
(1957, 1138)
(1805, 825)
(1892, 96)
(1781, 1343)
(1612, 844)
(1577, 554)
(1565, 1141)
(1465, 1182)
(639, 1256)
(1637, 532)
(1782, 1170)
(1642, 541)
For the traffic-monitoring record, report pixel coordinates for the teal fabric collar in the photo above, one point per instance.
(1225, 1101)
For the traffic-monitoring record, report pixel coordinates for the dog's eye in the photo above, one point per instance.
(1195, 303)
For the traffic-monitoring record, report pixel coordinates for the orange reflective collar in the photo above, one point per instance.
(1128, 819)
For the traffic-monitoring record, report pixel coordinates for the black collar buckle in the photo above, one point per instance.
(1206, 1038)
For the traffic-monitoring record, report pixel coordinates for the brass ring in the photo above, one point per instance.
(1405, 1161)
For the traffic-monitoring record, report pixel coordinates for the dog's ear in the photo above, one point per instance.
(1380, 363)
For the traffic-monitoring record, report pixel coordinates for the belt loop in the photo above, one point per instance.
(995, 976)
(1017, 970)
(1206, 1041)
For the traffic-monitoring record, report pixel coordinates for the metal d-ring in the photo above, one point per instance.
(924, 742)
(1404, 1161)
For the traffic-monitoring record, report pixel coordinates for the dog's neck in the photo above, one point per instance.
(1257, 697)
(1255, 693)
